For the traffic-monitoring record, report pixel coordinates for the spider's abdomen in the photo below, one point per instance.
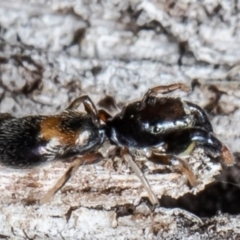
(32, 140)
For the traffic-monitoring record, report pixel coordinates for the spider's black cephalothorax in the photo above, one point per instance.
(165, 128)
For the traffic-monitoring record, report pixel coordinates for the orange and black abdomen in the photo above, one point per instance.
(19, 140)
(56, 127)
(32, 140)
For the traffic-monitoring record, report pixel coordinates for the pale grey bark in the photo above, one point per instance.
(52, 52)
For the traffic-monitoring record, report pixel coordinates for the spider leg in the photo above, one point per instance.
(128, 157)
(177, 162)
(86, 159)
(104, 115)
(89, 106)
(165, 89)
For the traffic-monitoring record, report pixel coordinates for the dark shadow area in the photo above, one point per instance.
(221, 196)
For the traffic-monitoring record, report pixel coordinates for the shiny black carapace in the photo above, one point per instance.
(165, 128)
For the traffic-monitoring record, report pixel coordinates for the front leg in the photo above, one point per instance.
(181, 139)
(86, 159)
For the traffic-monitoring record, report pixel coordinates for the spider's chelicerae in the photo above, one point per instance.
(164, 127)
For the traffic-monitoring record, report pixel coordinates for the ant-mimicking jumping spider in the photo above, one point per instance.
(163, 127)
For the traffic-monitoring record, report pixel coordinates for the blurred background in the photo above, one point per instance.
(53, 51)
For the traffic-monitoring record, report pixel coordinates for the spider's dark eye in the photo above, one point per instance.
(155, 129)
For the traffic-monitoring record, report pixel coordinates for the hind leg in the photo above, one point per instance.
(87, 159)
(89, 106)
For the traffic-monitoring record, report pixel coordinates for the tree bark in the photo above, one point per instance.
(51, 53)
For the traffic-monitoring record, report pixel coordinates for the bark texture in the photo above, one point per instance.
(52, 52)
